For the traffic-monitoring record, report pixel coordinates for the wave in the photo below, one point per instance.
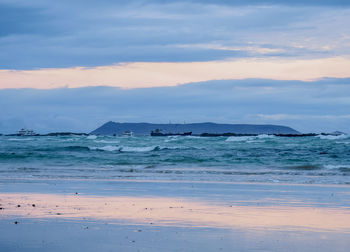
(139, 149)
(343, 142)
(171, 139)
(193, 137)
(342, 168)
(106, 148)
(62, 148)
(176, 138)
(330, 137)
(263, 136)
(68, 140)
(249, 138)
(181, 148)
(20, 139)
(307, 167)
(12, 156)
(74, 148)
(91, 137)
(107, 142)
(155, 148)
(311, 167)
(239, 138)
(125, 148)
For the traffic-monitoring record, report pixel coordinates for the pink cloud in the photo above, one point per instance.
(147, 74)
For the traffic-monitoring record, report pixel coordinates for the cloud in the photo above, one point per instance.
(61, 34)
(277, 2)
(146, 74)
(322, 105)
(279, 117)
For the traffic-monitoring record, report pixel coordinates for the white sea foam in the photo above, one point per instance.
(91, 137)
(107, 142)
(255, 141)
(105, 148)
(343, 142)
(265, 136)
(335, 167)
(330, 137)
(68, 140)
(171, 139)
(179, 147)
(239, 138)
(137, 149)
(20, 139)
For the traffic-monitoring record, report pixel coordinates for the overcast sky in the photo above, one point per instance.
(57, 46)
(306, 106)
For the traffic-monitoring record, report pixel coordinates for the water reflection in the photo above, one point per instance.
(166, 211)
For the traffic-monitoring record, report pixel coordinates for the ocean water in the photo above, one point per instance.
(266, 159)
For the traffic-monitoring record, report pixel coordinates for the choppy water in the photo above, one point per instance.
(319, 160)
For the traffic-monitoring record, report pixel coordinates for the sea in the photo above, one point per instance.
(258, 159)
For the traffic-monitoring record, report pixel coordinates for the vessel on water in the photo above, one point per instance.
(26, 132)
(158, 132)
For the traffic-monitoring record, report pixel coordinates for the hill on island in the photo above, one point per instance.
(111, 128)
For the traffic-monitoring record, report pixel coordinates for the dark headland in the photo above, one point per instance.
(115, 128)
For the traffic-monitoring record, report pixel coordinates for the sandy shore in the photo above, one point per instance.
(45, 215)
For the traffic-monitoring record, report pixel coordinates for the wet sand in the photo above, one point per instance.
(106, 215)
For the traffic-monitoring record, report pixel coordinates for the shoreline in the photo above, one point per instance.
(172, 215)
(165, 181)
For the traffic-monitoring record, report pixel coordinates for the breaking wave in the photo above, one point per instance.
(239, 138)
(107, 142)
(74, 148)
(171, 139)
(263, 136)
(20, 139)
(342, 168)
(330, 137)
(248, 138)
(269, 158)
(141, 149)
(138, 149)
(125, 148)
(105, 148)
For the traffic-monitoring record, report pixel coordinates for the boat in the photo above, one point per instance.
(128, 133)
(158, 132)
(26, 132)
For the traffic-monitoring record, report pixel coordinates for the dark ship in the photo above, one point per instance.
(158, 132)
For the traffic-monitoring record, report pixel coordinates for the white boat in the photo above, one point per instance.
(128, 133)
(26, 132)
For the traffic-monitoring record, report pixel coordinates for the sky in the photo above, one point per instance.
(73, 65)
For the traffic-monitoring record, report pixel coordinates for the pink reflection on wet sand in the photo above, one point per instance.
(168, 211)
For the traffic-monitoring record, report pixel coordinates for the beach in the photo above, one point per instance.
(153, 125)
(117, 215)
(182, 193)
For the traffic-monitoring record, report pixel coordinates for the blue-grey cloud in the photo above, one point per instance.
(39, 34)
(279, 2)
(307, 106)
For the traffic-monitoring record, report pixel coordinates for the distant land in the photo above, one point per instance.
(116, 128)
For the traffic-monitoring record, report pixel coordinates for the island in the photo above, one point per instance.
(209, 128)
